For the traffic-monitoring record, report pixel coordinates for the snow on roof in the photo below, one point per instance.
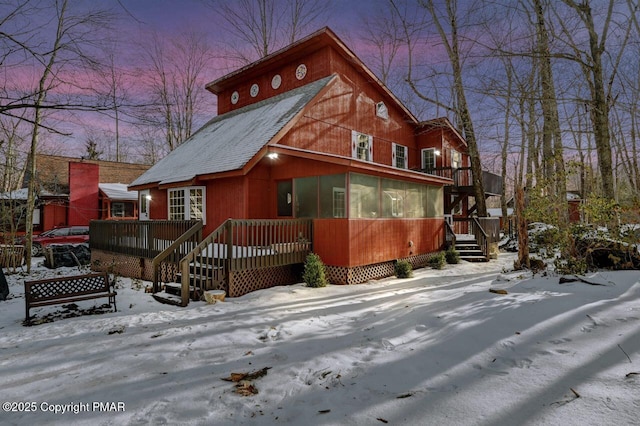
(23, 193)
(229, 141)
(118, 191)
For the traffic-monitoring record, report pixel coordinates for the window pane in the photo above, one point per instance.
(363, 193)
(176, 204)
(332, 196)
(435, 201)
(428, 160)
(400, 156)
(195, 203)
(415, 200)
(393, 197)
(306, 197)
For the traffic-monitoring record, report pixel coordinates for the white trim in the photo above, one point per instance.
(422, 162)
(187, 203)
(355, 144)
(394, 147)
(144, 200)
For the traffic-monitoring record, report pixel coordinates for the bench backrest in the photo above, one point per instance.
(53, 288)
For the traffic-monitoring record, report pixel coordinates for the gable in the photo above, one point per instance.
(229, 141)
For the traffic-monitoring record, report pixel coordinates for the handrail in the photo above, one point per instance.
(481, 237)
(450, 235)
(218, 274)
(241, 245)
(173, 250)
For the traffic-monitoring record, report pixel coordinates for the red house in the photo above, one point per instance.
(311, 132)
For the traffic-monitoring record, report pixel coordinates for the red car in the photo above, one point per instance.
(70, 235)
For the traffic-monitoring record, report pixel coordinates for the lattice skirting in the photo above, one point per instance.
(362, 274)
(243, 282)
(123, 265)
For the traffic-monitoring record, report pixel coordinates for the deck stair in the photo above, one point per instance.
(469, 249)
(201, 277)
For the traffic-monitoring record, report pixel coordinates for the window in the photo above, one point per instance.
(333, 200)
(361, 146)
(429, 160)
(399, 156)
(382, 111)
(122, 209)
(364, 196)
(339, 201)
(393, 197)
(187, 203)
(305, 196)
(456, 159)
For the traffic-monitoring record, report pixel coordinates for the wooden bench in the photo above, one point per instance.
(55, 291)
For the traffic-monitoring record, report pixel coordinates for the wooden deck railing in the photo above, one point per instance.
(485, 229)
(137, 238)
(240, 245)
(463, 177)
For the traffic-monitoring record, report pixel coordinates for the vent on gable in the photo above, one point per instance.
(382, 111)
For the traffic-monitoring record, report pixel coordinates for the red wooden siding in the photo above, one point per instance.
(83, 193)
(327, 125)
(226, 198)
(317, 64)
(357, 242)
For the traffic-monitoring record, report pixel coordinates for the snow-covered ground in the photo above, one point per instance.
(437, 349)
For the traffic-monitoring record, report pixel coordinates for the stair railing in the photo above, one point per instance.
(206, 264)
(175, 251)
(481, 236)
(450, 235)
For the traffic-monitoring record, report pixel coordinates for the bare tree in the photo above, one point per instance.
(552, 150)
(176, 69)
(591, 62)
(452, 44)
(260, 27)
(56, 50)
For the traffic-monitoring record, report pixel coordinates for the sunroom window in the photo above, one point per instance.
(187, 203)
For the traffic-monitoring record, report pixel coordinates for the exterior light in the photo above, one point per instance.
(148, 197)
(272, 155)
(436, 152)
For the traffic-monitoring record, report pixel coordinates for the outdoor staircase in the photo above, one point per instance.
(200, 277)
(469, 249)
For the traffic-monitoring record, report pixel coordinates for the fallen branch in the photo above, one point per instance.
(625, 353)
(564, 280)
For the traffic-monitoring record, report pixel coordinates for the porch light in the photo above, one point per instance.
(272, 155)
(148, 197)
(436, 152)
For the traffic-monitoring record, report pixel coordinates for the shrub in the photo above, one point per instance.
(314, 274)
(452, 255)
(403, 269)
(437, 260)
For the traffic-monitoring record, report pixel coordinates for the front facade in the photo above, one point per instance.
(310, 132)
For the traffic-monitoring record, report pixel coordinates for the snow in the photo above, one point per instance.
(437, 349)
(118, 191)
